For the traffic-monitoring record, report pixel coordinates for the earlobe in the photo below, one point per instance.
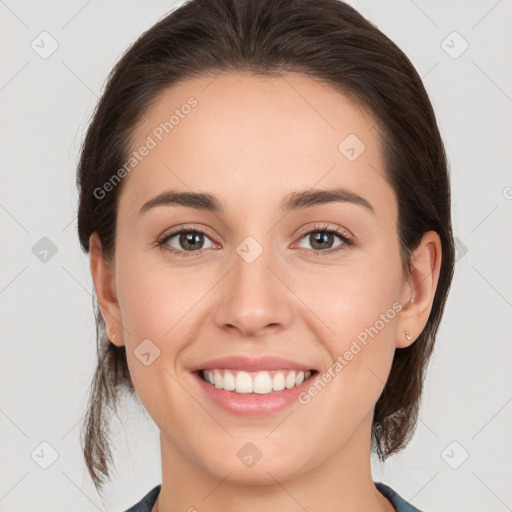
(421, 288)
(104, 284)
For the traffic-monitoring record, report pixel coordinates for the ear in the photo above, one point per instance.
(103, 275)
(419, 290)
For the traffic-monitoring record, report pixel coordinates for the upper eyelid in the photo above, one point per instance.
(176, 231)
(326, 227)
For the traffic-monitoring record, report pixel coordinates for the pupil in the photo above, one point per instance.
(189, 239)
(321, 237)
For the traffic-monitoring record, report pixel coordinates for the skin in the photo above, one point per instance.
(251, 141)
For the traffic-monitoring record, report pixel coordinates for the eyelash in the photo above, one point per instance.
(347, 241)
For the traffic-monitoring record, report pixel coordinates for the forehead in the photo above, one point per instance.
(250, 139)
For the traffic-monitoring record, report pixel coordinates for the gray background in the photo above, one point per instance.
(47, 327)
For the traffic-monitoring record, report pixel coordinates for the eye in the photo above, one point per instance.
(321, 238)
(190, 239)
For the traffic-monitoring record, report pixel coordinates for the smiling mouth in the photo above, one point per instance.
(261, 383)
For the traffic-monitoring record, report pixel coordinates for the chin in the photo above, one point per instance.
(256, 463)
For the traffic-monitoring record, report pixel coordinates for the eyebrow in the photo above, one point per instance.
(298, 200)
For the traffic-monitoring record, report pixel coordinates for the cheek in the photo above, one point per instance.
(157, 306)
(356, 311)
(350, 301)
(155, 316)
(153, 299)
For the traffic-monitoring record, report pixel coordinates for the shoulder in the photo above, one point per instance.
(147, 502)
(398, 502)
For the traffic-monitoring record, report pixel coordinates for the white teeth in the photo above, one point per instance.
(278, 381)
(243, 382)
(217, 379)
(290, 380)
(262, 383)
(229, 381)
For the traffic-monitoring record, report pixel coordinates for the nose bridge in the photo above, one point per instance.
(251, 262)
(253, 297)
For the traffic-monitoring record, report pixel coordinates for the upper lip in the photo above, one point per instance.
(251, 364)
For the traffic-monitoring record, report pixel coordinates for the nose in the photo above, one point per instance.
(254, 298)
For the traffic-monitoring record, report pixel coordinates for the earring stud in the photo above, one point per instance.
(408, 336)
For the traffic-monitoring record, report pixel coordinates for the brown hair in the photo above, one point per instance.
(325, 40)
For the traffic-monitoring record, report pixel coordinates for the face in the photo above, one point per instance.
(314, 282)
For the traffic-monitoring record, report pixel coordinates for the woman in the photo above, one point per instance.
(233, 140)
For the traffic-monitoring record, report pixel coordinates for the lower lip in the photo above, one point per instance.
(253, 405)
